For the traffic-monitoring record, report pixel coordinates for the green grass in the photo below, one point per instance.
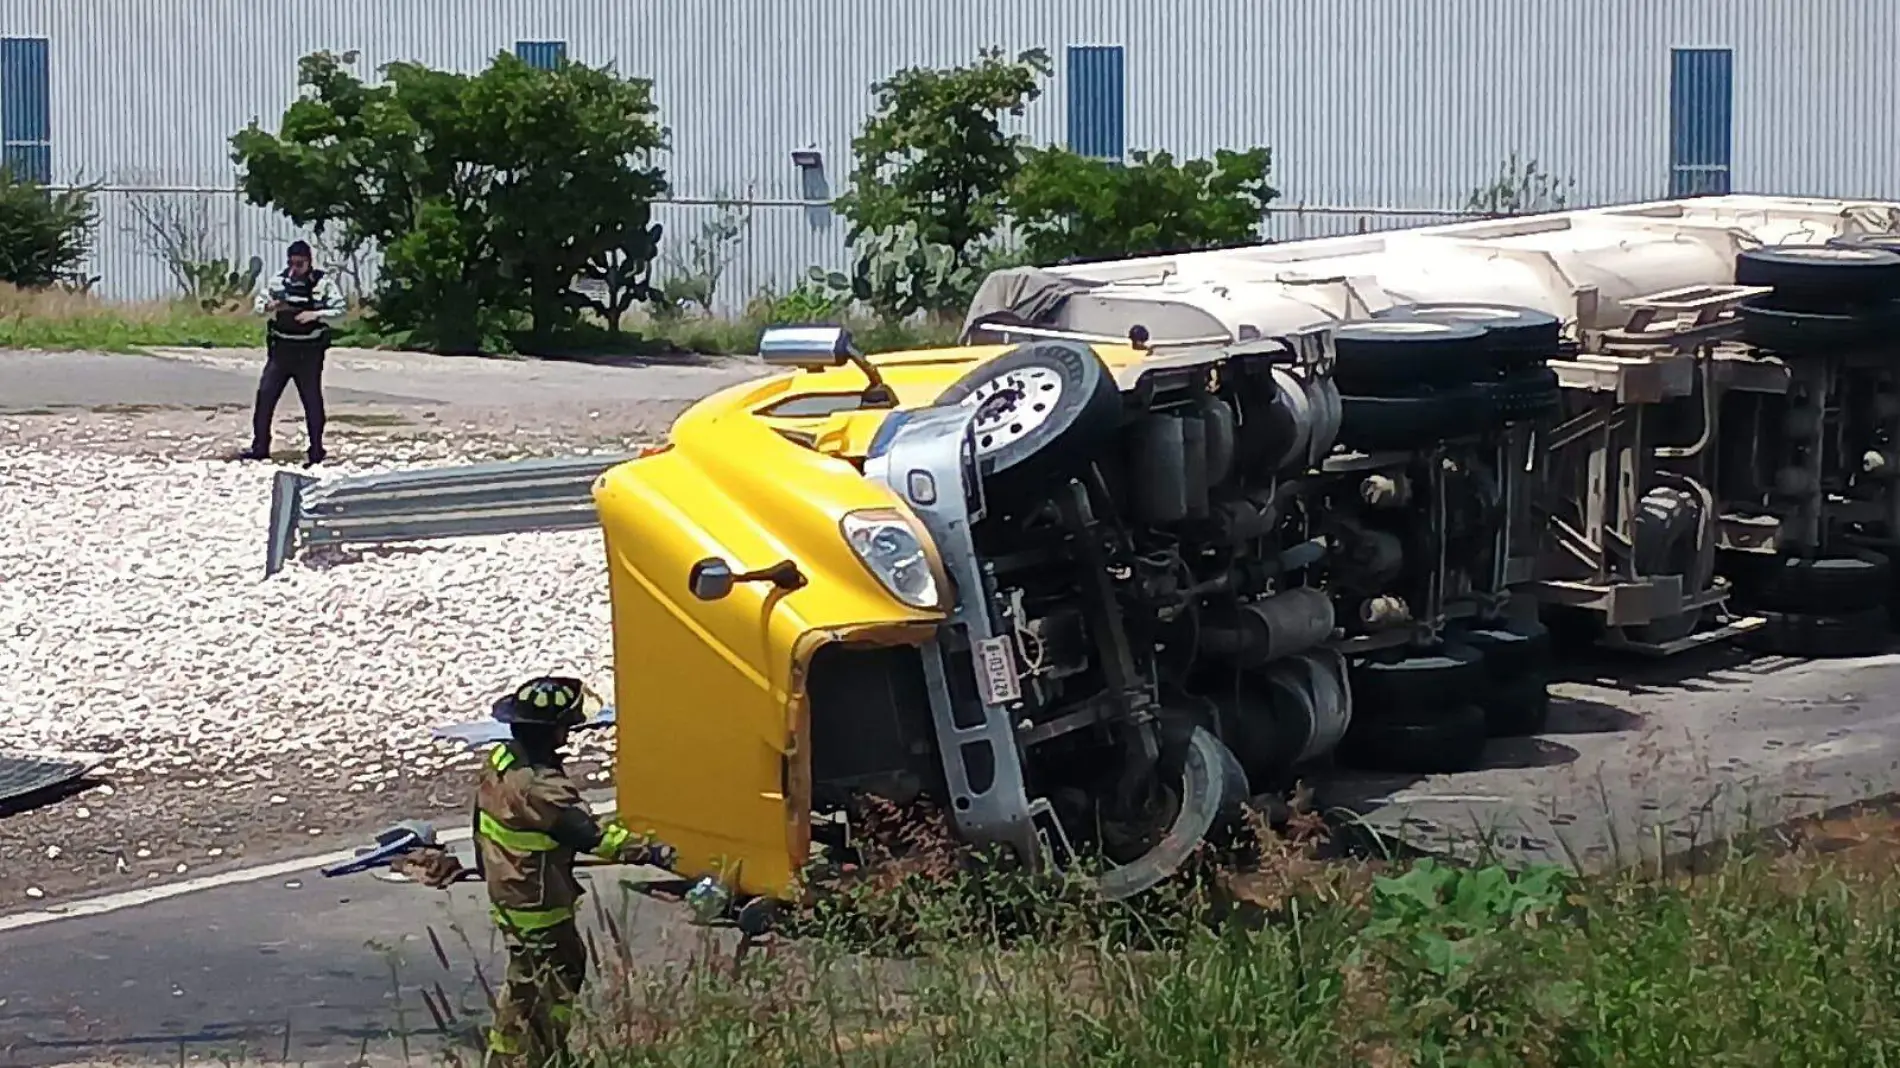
(1762, 960)
(56, 320)
(60, 321)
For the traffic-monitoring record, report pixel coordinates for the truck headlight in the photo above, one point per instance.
(893, 550)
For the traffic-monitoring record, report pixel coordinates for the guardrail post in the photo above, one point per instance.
(286, 515)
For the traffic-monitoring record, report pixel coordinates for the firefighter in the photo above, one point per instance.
(530, 824)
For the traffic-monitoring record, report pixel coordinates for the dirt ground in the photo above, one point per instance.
(124, 832)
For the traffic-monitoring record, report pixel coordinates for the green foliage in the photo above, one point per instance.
(1440, 914)
(44, 236)
(488, 194)
(934, 166)
(693, 273)
(214, 285)
(1521, 188)
(898, 273)
(1758, 964)
(1069, 207)
(816, 300)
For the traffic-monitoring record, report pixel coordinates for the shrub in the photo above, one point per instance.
(1069, 207)
(44, 236)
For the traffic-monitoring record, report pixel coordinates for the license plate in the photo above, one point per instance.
(996, 671)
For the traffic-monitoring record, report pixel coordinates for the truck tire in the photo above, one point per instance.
(1511, 649)
(1890, 242)
(1819, 637)
(1450, 675)
(1381, 358)
(1767, 325)
(1525, 395)
(1520, 708)
(1829, 584)
(1516, 337)
(1402, 423)
(1822, 278)
(1042, 408)
(1418, 741)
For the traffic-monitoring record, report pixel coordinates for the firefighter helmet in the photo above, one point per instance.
(550, 700)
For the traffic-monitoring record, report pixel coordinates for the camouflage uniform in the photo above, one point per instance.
(530, 824)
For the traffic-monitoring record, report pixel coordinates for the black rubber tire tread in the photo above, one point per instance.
(1394, 682)
(1519, 708)
(1517, 337)
(1830, 585)
(1820, 637)
(1890, 242)
(1373, 424)
(1511, 649)
(1089, 413)
(1381, 358)
(1822, 277)
(1526, 394)
(1767, 325)
(1429, 741)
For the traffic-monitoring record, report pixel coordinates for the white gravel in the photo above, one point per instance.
(135, 620)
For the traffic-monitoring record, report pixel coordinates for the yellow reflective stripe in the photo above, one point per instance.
(509, 838)
(500, 758)
(611, 841)
(531, 919)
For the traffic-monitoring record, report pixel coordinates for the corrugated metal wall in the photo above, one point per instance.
(1369, 104)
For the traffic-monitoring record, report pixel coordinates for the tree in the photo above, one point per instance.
(44, 236)
(934, 163)
(1069, 207)
(487, 194)
(1520, 188)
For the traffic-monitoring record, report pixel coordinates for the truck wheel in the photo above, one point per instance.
(1829, 584)
(1519, 708)
(1862, 633)
(1378, 358)
(1511, 649)
(1890, 242)
(1450, 675)
(1766, 325)
(1526, 394)
(1418, 740)
(1822, 278)
(1205, 787)
(1516, 337)
(1401, 423)
(1039, 408)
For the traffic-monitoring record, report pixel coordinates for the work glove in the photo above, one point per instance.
(434, 868)
(624, 847)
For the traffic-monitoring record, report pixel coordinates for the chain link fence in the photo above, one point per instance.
(148, 234)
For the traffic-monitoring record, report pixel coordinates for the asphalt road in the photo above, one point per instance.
(297, 968)
(36, 381)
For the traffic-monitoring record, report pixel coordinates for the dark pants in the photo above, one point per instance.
(290, 361)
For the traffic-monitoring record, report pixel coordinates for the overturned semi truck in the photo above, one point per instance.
(1729, 370)
(1167, 533)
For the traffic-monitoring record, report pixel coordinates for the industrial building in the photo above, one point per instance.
(1379, 112)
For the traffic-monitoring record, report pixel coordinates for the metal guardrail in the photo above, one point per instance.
(513, 497)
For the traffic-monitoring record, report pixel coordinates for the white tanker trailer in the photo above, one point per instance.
(1729, 421)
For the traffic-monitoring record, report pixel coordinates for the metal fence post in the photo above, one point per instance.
(286, 511)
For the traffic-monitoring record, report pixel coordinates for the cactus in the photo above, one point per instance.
(215, 286)
(899, 274)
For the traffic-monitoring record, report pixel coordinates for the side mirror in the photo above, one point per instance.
(811, 348)
(713, 578)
